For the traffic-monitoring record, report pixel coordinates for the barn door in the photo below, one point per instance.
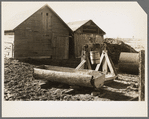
(46, 45)
(61, 49)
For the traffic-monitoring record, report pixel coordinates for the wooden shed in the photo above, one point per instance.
(42, 35)
(82, 32)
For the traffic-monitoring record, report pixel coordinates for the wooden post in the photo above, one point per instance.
(83, 57)
(104, 66)
(86, 57)
(81, 65)
(142, 75)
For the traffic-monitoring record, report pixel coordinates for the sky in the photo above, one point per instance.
(117, 19)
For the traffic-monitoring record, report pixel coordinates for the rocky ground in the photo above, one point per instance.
(19, 85)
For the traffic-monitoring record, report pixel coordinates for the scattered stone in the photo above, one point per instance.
(97, 98)
(42, 82)
(68, 91)
(9, 95)
(67, 97)
(75, 98)
(20, 85)
(85, 97)
(95, 93)
(136, 85)
(57, 92)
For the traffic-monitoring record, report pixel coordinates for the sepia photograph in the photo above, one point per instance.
(75, 53)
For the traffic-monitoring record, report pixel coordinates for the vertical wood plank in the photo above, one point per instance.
(77, 45)
(66, 48)
(49, 21)
(53, 46)
(46, 22)
(57, 47)
(142, 75)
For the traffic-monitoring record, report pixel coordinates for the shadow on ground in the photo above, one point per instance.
(115, 96)
(117, 85)
(49, 85)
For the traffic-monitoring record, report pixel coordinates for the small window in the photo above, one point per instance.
(47, 14)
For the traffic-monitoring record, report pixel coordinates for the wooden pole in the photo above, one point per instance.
(142, 75)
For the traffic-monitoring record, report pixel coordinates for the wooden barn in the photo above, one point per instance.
(43, 34)
(82, 32)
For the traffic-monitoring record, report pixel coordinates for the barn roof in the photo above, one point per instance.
(77, 24)
(15, 21)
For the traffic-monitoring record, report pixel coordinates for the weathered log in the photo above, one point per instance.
(87, 78)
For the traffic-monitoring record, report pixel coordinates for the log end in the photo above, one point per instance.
(99, 81)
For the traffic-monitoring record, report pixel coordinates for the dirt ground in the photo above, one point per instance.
(20, 85)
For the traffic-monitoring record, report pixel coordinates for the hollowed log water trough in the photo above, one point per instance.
(70, 76)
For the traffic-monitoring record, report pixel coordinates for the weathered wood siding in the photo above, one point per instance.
(60, 47)
(39, 36)
(81, 39)
(82, 35)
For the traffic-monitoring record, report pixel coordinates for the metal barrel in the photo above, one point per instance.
(129, 62)
(95, 57)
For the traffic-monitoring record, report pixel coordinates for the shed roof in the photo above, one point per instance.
(77, 24)
(15, 21)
